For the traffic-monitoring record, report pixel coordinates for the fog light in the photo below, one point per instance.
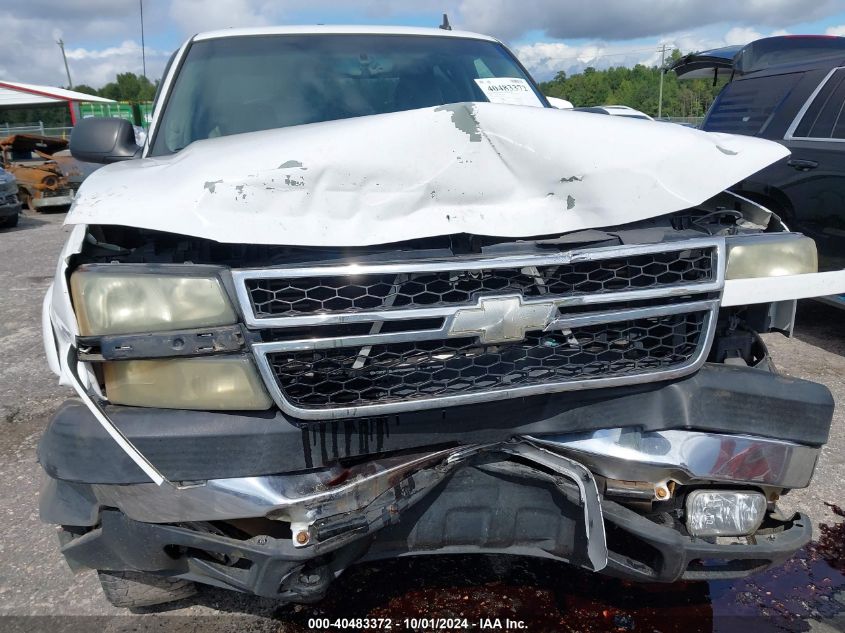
(210, 384)
(724, 512)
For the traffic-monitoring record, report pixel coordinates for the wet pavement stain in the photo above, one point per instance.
(548, 596)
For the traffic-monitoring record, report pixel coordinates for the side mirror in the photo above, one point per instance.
(106, 140)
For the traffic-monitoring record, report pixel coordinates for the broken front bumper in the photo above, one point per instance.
(556, 477)
(487, 505)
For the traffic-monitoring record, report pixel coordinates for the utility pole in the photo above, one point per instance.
(67, 68)
(143, 52)
(660, 96)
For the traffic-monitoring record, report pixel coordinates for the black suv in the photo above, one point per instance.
(789, 89)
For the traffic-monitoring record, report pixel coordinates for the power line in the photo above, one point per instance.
(143, 51)
(61, 44)
(662, 72)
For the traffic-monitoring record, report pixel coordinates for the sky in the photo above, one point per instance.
(103, 37)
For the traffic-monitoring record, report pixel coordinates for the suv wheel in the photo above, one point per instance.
(132, 589)
(9, 222)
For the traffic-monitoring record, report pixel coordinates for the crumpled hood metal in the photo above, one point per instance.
(480, 168)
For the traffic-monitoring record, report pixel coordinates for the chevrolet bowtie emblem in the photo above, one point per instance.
(501, 319)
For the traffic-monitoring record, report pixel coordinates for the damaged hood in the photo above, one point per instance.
(480, 168)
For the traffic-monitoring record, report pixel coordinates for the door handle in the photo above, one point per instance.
(801, 164)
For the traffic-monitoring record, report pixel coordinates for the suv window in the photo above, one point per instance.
(746, 105)
(823, 118)
(244, 84)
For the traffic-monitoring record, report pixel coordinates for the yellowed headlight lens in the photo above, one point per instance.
(128, 303)
(210, 384)
(771, 256)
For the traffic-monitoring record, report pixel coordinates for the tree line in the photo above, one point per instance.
(126, 87)
(636, 87)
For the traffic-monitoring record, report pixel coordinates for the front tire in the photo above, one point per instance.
(132, 589)
(10, 222)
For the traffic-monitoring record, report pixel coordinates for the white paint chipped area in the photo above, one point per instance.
(481, 168)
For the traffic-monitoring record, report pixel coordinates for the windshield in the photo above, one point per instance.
(244, 84)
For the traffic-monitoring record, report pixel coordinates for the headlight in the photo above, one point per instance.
(114, 302)
(771, 256)
(210, 384)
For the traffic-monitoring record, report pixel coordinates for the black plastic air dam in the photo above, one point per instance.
(200, 445)
(471, 513)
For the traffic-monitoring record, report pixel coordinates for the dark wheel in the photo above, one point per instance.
(9, 222)
(133, 589)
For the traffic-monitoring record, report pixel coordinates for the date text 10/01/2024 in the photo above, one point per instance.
(416, 624)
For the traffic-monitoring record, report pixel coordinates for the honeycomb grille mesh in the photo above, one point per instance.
(274, 297)
(406, 371)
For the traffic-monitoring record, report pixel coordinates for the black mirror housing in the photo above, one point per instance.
(106, 140)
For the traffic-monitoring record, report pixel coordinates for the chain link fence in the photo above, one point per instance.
(38, 127)
(690, 121)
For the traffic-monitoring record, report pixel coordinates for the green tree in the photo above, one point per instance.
(85, 88)
(636, 87)
(129, 87)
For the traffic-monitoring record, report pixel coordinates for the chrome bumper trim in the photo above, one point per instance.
(375, 492)
(621, 454)
(52, 201)
(631, 454)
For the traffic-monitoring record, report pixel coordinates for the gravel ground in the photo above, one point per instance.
(34, 580)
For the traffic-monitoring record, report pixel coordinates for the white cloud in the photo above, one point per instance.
(836, 30)
(97, 67)
(101, 36)
(545, 59)
(29, 52)
(623, 19)
(741, 35)
(202, 15)
(199, 15)
(127, 48)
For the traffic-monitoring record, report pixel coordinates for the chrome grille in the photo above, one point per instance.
(402, 372)
(58, 193)
(272, 297)
(354, 340)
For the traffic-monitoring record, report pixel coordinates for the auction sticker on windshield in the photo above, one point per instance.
(510, 90)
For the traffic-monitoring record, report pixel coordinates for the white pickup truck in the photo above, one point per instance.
(363, 293)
